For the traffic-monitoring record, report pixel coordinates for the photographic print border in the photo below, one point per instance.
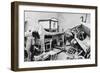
(15, 33)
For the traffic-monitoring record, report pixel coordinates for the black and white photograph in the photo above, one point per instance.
(51, 36)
